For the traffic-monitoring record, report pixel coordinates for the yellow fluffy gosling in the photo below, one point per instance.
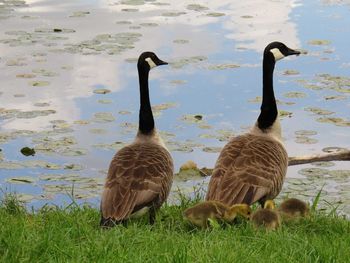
(267, 217)
(200, 214)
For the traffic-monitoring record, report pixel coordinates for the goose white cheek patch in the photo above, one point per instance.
(277, 53)
(150, 62)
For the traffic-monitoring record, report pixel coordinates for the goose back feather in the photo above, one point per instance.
(250, 168)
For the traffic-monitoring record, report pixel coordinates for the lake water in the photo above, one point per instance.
(69, 88)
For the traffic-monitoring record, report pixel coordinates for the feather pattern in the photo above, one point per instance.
(140, 175)
(250, 168)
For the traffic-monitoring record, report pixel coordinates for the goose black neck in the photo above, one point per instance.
(146, 121)
(268, 107)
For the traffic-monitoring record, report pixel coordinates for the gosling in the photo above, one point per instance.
(267, 217)
(294, 208)
(201, 213)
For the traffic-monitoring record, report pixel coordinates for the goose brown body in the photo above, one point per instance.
(250, 168)
(140, 175)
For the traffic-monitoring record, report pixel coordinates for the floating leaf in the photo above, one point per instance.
(215, 14)
(223, 66)
(212, 149)
(110, 146)
(319, 42)
(181, 41)
(124, 112)
(101, 91)
(319, 111)
(305, 140)
(334, 149)
(335, 121)
(335, 97)
(305, 132)
(103, 117)
(313, 171)
(25, 76)
(41, 83)
(290, 72)
(196, 7)
(323, 164)
(106, 101)
(149, 24)
(283, 114)
(173, 14)
(295, 95)
(21, 180)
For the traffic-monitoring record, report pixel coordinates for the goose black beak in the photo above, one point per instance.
(293, 52)
(161, 62)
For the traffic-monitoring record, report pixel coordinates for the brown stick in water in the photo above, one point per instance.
(343, 155)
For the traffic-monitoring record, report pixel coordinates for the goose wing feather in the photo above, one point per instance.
(139, 175)
(249, 168)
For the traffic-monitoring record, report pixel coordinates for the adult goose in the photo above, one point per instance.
(140, 174)
(252, 167)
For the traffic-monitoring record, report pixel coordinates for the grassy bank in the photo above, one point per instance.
(73, 235)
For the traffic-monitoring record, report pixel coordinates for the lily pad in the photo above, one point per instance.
(25, 76)
(340, 173)
(319, 111)
(185, 61)
(333, 149)
(339, 97)
(305, 140)
(319, 42)
(336, 121)
(39, 83)
(295, 95)
(21, 180)
(106, 101)
(103, 117)
(283, 114)
(290, 72)
(305, 132)
(173, 14)
(223, 66)
(212, 149)
(181, 41)
(149, 24)
(215, 14)
(313, 171)
(45, 72)
(110, 146)
(123, 22)
(124, 112)
(101, 91)
(80, 14)
(323, 164)
(197, 7)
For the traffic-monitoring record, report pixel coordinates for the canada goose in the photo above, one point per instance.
(293, 208)
(140, 174)
(202, 212)
(252, 167)
(266, 217)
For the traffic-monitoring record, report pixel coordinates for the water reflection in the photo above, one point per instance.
(83, 46)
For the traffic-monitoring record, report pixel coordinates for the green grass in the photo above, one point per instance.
(72, 234)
